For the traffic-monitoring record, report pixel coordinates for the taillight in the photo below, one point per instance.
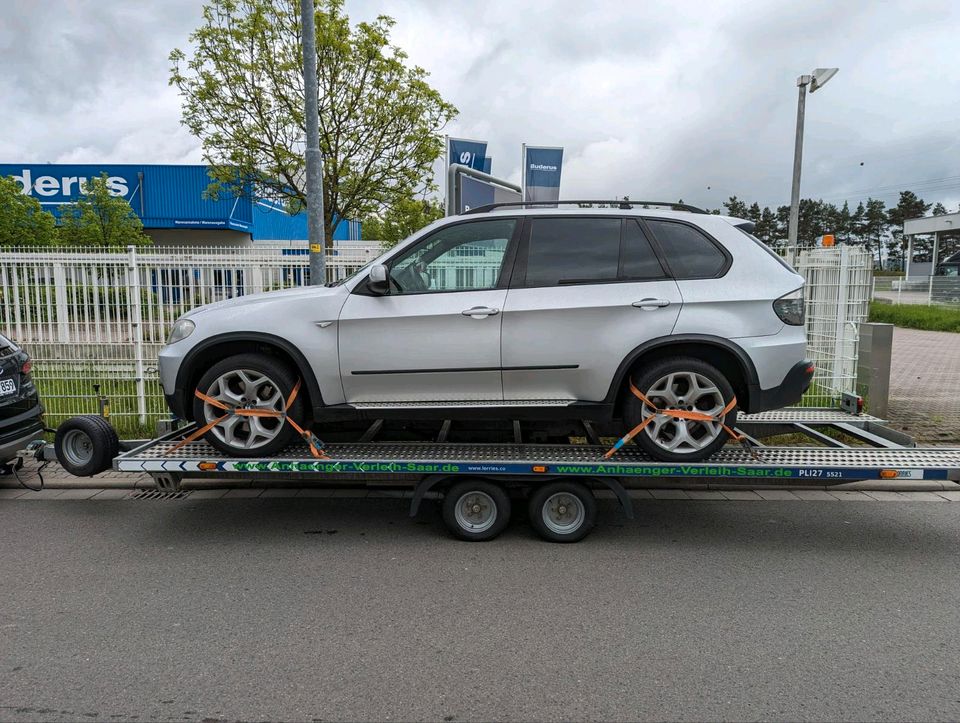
(27, 366)
(789, 308)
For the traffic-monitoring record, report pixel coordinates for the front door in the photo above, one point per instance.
(436, 336)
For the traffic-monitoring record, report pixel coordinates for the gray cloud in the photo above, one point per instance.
(651, 99)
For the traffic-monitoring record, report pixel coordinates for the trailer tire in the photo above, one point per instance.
(476, 510)
(563, 511)
(86, 445)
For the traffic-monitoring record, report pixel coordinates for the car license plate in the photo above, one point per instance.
(7, 386)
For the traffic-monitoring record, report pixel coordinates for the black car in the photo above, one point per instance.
(20, 408)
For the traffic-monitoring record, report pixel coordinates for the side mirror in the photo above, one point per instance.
(379, 280)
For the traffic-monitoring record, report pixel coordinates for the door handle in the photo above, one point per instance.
(651, 304)
(478, 311)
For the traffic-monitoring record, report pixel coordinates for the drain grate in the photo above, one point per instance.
(158, 495)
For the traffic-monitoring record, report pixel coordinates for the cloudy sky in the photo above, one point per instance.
(651, 99)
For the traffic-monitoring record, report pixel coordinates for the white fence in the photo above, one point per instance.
(838, 292)
(928, 290)
(94, 317)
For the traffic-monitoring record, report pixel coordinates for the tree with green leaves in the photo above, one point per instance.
(23, 222)
(909, 206)
(402, 219)
(242, 91)
(939, 209)
(875, 225)
(99, 219)
(735, 207)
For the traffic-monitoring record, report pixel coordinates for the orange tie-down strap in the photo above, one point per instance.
(315, 444)
(680, 414)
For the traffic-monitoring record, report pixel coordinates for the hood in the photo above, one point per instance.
(313, 292)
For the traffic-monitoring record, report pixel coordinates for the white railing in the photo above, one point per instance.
(838, 292)
(100, 317)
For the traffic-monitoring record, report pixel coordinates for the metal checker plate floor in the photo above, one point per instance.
(854, 457)
(806, 416)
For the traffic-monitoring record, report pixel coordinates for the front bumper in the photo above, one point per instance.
(788, 392)
(17, 431)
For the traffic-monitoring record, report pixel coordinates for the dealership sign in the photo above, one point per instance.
(55, 185)
(541, 173)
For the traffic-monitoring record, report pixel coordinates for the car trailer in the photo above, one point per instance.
(478, 479)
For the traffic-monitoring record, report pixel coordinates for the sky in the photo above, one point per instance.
(655, 100)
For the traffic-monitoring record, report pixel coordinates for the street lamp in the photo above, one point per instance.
(816, 80)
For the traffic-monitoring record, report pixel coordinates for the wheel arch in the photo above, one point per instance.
(199, 359)
(722, 353)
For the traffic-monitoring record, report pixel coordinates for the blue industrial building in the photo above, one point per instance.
(169, 201)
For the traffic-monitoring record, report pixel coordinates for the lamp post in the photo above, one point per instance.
(314, 161)
(816, 80)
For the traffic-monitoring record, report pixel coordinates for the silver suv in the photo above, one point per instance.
(512, 312)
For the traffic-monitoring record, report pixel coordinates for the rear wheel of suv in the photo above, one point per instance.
(250, 381)
(680, 383)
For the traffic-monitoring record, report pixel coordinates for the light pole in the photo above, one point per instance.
(816, 80)
(314, 190)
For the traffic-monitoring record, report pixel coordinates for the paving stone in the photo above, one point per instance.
(41, 495)
(921, 497)
(111, 494)
(207, 494)
(706, 495)
(883, 495)
(245, 492)
(78, 494)
(669, 494)
(11, 493)
(851, 496)
(640, 494)
(280, 492)
(316, 492)
(815, 495)
(777, 495)
(952, 495)
(353, 494)
(741, 495)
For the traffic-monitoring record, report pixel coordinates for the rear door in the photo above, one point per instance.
(586, 290)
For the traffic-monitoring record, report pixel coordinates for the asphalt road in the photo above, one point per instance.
(333, 609)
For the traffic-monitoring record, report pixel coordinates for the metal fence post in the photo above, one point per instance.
(136, 325)
(60, 305)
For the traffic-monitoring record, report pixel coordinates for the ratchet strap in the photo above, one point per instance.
(693, 416)
(315, 444)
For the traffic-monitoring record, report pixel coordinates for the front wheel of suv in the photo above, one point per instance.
(251, 381)
(687, 384)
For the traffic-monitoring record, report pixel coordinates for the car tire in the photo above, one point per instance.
(476, 510)
(562, 511)
(256, 380)
(690, 441)
(86, 445)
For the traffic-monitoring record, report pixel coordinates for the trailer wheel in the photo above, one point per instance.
(563, 511)
(86, 445)
(476, 510)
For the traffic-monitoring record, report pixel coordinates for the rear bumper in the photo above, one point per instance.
(788, 392)
(17, 431)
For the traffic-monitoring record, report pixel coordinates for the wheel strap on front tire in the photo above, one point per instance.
(680, 414)
(313, 442)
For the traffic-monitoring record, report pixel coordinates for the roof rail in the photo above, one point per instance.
(615, 203)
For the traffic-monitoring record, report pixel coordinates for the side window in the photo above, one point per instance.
(571, 250)
(689, 253)
(465, 257)
(639, 260)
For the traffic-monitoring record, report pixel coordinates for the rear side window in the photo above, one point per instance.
(690, 254)
(572, 250)
(639, 260)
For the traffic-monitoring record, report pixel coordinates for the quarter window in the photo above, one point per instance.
(639, 259)
(464, 257)
(572, 250)
(690, 254)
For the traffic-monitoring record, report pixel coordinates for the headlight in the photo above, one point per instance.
(789, 308)
(181, 330)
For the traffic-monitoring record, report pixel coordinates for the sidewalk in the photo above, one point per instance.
(925, 386)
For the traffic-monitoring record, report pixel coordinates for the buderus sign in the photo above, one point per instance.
(54, 185)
